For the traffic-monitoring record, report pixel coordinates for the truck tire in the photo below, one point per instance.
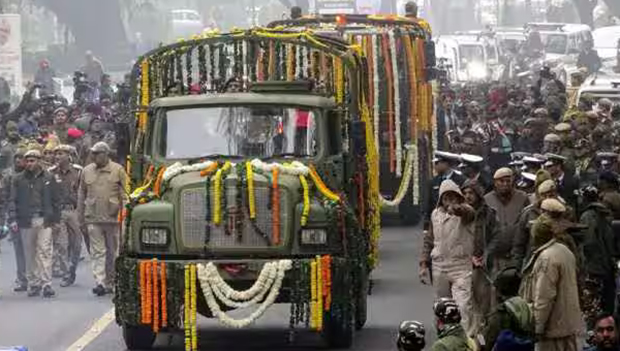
(138, 337)
(361, 305)
(338, 328)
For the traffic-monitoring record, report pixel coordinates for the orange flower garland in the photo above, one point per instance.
(155, 297)
(143, 300)
(149, 296)
(164, 305)
(207, 171)
(275, 217)
(326, 265)
(158, 181)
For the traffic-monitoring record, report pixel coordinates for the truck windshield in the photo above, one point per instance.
(472, 53)
(246, 131)
(555, 43)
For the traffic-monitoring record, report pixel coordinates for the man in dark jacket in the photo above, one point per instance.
(32, 210)
(567, 185)
(600, 250)
(605, 334)
(485, 232)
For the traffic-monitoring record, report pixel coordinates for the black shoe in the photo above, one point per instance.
(68, 281)
(34, 291)
(20, 288)
(48, 292)
(99, 290)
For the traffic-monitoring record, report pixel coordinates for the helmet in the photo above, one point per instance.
(447, 311)
(411, 336)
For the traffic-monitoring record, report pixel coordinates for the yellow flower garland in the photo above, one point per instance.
(145, 98)
(194, 331)
(186, 314)
(319, 294)
(251, 198)
(217, 201)
(313, 297)
(306, 203)
(339, 77)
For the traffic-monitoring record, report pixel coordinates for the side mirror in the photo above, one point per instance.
(429, 53)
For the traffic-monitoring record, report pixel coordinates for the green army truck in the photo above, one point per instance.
(254, 182)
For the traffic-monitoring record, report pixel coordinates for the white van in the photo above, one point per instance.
(472, 57)
(185, 24)
(563, 42)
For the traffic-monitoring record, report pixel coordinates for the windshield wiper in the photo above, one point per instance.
(194, 160)
(286, 154)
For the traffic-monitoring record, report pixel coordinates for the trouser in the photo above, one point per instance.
(483, 300)
(69, 243)
(456, 283)
(568, 343)
(104, 242)
(20, 261)
(38, 252)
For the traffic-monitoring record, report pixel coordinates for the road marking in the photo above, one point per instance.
(95, 330)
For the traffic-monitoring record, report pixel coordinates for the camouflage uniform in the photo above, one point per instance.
(452, 337)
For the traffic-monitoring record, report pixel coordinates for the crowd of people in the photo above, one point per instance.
(60, 188)
(519, 240)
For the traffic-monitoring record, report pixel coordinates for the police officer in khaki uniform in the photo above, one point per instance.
(69, 246)
(100, 198)
(33, 211)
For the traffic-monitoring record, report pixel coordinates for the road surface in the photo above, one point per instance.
(77, 320)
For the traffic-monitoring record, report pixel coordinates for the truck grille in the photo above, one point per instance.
(194, 226)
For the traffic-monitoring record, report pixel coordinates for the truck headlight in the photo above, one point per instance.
(154, 236)
(313, 237)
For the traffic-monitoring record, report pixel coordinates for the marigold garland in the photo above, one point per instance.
(143, 297)
(144, 94)
(209, 170)
(164, 296)
(149, 293)
(319, 294)
(158, 181)
(313, 297)
(389, 103)
(327, 281)
(306, 200)
(217, 201)
(321, 185)
(275, 217)
(186, 315)
(251, 194)
(396, 81)
(193, 311)
(155, 272)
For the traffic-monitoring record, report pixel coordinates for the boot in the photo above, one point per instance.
(34, 291)
(48, 292)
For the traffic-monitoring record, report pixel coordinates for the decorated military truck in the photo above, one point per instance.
(255, 181)
(401, 62)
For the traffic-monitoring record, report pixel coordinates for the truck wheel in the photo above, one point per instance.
(138, 337)
(361, 306)
(338, 328)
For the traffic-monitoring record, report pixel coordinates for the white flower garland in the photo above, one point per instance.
(416, 171)
(404, 184)
(295, 168)
(305, 63)
(244, 55)
(375, 76)
(399, 147)
(249, 297)
(179, 168)
(282, 267)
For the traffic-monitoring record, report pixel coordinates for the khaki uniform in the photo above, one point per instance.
(100, 198)
(550, 286)
(38, 248)
(68, 241)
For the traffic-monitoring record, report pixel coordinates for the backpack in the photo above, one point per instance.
(519, 336)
